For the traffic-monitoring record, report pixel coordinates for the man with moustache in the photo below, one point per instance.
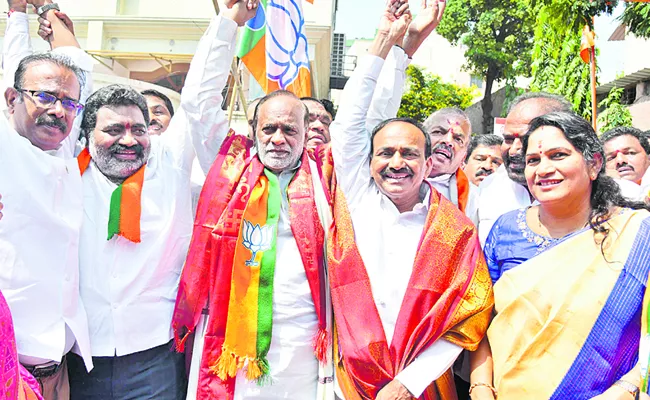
(627, 153)
(161, 111)
(321, 115)
(506, 189)
(17, 45)
(451, 131)
(137, 221)
(483, 157)
(39, 233)
(394, 243)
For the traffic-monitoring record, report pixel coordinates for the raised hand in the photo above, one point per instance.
(395, 20)
(45, 26)
(423, 24)
(240, 11)
(17, 5)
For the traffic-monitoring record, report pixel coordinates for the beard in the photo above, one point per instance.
(278, 158)
(113, 168)
(515, 173)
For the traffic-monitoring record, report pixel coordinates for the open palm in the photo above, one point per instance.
(428, 17)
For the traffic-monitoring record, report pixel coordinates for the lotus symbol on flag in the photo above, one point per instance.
(286, 46)
(256, 238)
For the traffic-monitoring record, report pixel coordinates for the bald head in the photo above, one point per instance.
(523, 110)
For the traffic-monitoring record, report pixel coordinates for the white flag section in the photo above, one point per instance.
(287, 59)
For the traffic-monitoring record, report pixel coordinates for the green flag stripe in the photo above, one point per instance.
(250, 38)
(114, 213)
(267, 270)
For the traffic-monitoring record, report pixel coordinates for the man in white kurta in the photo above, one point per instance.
(129, 288)
(387, 239)
(39, 238)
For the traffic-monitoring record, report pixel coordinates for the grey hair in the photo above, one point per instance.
(550, 102)
(111, 96)
(60, 60)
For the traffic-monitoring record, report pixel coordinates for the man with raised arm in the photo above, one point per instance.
(137, 221)
(409, 285)
(42, 196)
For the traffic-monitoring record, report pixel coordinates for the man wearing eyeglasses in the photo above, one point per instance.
(42, 214)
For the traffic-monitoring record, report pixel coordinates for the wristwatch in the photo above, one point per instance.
(47, 7)
(628, 387)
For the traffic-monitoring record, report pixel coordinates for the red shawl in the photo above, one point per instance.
(206, 277)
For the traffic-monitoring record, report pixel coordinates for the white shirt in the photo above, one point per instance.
(39, 241)
(17, 45)
(130, 289)
(498, 194)
(387, 240)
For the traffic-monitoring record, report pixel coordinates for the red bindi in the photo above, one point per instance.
(127, 126)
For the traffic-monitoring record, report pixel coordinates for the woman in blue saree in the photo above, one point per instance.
(570, 275)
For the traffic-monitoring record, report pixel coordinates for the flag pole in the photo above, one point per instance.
(594, 99)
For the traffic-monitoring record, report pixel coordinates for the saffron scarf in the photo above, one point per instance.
(126, 203)
(216, 276)
(462, 184)
(577, 327)
(251, 289)
(449, 296)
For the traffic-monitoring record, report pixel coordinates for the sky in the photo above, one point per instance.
(359, 18)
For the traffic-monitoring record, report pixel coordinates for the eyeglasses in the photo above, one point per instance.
(46, 100)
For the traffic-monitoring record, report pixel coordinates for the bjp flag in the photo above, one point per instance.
(588, 42)
(274, 47)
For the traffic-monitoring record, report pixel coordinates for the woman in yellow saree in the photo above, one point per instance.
(568, 321)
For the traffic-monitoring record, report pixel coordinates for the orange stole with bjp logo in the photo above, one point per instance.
(208, 271)
(449, 296)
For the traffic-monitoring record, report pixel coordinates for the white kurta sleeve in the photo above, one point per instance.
(390, 88)
(350, 137)
(82, 60)
(200, 126)
(429, 366)
(16, 45)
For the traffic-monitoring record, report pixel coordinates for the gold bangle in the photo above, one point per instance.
(474, 385)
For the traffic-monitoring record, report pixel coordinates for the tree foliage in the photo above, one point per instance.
(498, 36)
(556, 63)
(557, 66)
(427, 93)
(615, 113)
(637, 18)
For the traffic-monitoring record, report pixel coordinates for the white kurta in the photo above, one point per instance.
(39, 241)
(387, 240)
